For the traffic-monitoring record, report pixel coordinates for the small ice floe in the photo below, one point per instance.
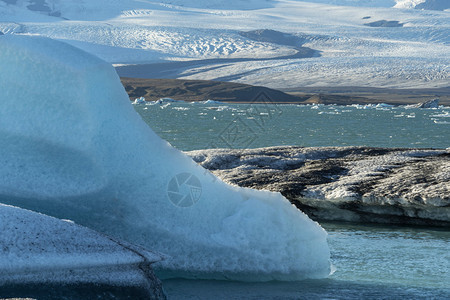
(357, 106)
(369, 106)
(140, 100)
(159, 101)
(383, 105)
(427, 104)
(209, 101)
(180, 108)
(163, 101)
(437, 118)
(405, 115)
(444, 115)
(329, 112)
(224, 108)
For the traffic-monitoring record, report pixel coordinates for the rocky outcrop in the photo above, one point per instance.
(356, 184)
(201, 90)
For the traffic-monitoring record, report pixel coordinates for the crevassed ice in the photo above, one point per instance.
(73, 147)
(408, 3)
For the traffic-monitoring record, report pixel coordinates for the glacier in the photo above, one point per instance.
(202, 40)
(73, 147)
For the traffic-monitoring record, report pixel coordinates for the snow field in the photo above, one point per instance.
(132, 32)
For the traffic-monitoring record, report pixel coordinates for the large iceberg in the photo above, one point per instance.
(73, 147)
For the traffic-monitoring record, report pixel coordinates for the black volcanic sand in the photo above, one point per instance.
(200, 90)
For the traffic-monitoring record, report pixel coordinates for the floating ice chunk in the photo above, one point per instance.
(383, 105)
(434, 103)
(209, 101)
(181, 108)
(165, 100)
(429, 104)
(78, 159)
(140, 100)
(443, 115)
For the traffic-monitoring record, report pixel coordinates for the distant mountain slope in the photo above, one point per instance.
(200, 90)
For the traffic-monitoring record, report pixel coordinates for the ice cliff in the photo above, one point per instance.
(73, 147)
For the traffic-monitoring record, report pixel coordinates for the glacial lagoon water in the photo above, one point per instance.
(372, 262)
(199, 126)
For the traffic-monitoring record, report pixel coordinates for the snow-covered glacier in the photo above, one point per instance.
(203, 40)
(73, 147)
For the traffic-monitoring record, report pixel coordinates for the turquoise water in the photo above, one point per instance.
(372, 262)
(196, 126)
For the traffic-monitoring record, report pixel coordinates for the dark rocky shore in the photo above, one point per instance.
(231, 92)
(354, 184)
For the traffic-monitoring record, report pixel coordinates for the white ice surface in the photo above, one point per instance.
(352, 54)
(73, 147)
(38, 248)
